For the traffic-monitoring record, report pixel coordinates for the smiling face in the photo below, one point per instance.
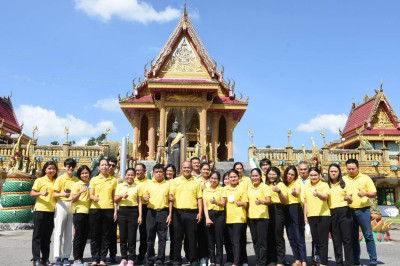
(170, 173)
(214, 180)
(85, 175)
(227, 181)
(255, 178)
(240, 169)
(314, 177)
(272, 176)
(140, 171)
(196, 165)
(129, 177)
(290, 176)
(205, 171)
(50, 171)
(69, 169)
(187, 169)
(233, 179)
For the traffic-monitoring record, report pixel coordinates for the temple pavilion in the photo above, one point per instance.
(184, 83)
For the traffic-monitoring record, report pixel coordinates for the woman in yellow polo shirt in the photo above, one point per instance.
(43, 215)
(236, 217)
(317, 214)
(295, 216)
(342, 219)
(214, 200)
(127, 196)
(276, 242)
(101, 213)
(80, 209)
(202, 241)
(259, 198)
(170, 174)
(243, 180)
(227, 240)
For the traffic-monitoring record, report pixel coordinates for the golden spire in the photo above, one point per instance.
(184, 10)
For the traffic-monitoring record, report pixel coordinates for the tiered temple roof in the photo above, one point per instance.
(8, 121)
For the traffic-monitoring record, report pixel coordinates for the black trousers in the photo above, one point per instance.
(295, 231)
(156, 225)
(113, 239)
(228, 246)
(259, 235)
(81, 226)
(43, 224)
(100, 221)
(215, 236)
(185, 224)
(276, 242)
(342, 232)
(143, 234)
(319, 226)
(172, 239)
(128, 224)
(202, 241)
(237, 233)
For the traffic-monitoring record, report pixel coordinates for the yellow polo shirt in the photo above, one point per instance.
(303, 185)
(63, 183)
(264, 178)
(217, 194)
(205, 183)
(364, 183)
(315, 206)
(159, 194)
(274, 195)
(296, 184)
(133, 192)
(186, 192)
(235, 214)
(260, 192)
(245, 181)
(336, 195)
(143, 183)
(103, 188)
(44, 203)
(83, 203)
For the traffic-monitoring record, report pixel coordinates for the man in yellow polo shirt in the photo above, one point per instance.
(159, 214)
(113, 163)
(186, 193)
(363, 190)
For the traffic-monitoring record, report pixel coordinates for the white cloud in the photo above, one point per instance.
(327, 122)
(131, 10)
(109, 104)
(82, 142)
(50, 125)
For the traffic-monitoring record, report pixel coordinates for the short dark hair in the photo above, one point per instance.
(112, 160)
(70, 162)
(142, 164)
(296, 174)
(103, 159)
(315, 169)
(236, 164)
(305, 163)
(350, 161)
(265, 161)
(203, 164)
(194, 158)
(47, 164)
(158, 166)
(340, 179)
(278, 173)
(257, 170)
(216, 173)
(130, 169)
(80, 169)
(233, 171)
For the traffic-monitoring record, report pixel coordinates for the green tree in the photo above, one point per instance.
(100, 139)
(72, 142)
(54, 143)
(91, 142)
(268, 147)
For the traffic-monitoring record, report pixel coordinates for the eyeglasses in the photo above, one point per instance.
(113, 165)
(70, 166)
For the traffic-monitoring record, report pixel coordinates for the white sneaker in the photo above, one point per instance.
(245, 264)
(203, 262)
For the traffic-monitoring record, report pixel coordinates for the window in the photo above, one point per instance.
(386, 195)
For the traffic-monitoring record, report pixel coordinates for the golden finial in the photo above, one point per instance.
(322, 134)
(106, 134)
(381, 84)
(251, 135)
(66, 130)
(184, 10)
(35, 128)
(382, 135)
(289, 134)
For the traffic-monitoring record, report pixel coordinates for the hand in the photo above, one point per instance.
(45, 193)
(115, 216)
(239, 203)
(120, 180)
(203, 187)
(315, 193)
(139, 220)
(83, 189)
(294, 192)
(169, 220)
(361, 193)
(347, 198)
(96, 199)
(275, 188)
(213, 201)
(147, 197)
(198, 218)
(305, 220)
(67, 194)
(171, 198)
(258, 202)
(125, 195)
(209, 222)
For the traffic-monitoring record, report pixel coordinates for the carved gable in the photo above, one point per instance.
(381, 119)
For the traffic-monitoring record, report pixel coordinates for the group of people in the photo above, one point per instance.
(203, 212)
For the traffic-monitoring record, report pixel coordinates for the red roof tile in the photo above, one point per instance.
(181, 80)
(226, 100)
(7, 113)
(358, 116)
(377, 131)
(141, 99)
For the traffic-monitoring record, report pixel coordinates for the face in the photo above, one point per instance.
(69, 169)
(158, 174)
(314, 177)
(290, 175)
(227, 182)
(50, 171)
(104, 167)
(129, 177)
(214, 180)
(255, 177)
(85, 175)
(205, 171)
(175, 127)
(303, 170)
(272, 176)
(265, 167)
(334, 173)
(113, 167)
(196, 165)
(139, 171)
(187, 169)
(352, 169)
(170, 173)
(233, 179)
(239, 168)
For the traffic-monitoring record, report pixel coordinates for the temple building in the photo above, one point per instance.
(184, 84)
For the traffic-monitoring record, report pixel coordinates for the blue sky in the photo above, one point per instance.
(66, 61)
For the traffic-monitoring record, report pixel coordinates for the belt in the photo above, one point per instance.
(187, 210)
(128, 207)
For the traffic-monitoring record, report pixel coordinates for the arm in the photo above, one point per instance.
(75, 197)
(205, 207)
(282, 197)
(200, 207)
(169, 218)
(35, 194)
(58, 194)
(92, 196)
(140, 210)
(296, 192)
(267, 200)
(370, 195)
(305, 211)
(321, 196)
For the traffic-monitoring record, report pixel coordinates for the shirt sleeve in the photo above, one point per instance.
(36, 186)
(370, 184)
(199, 191)
(283, 188)
(57, 185)
(75, 188)
(267, 191)
(92, 183)
(244, 197)
(118, 190)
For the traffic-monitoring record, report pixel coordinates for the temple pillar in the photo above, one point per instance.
(152, 135)
(183, 140)
(162, 119)
(215, 135)
(229, 136)
(203, 123)
(136, 117)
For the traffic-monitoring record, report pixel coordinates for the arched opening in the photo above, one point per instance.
(222, 151)
(143, 149)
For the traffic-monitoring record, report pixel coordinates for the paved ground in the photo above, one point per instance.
(15, 249)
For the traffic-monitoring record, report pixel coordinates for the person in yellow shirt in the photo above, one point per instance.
(195, 161)
(170, 174)
(227, 241)
(317, 214)
(236, 217)
(159, 214)
(265, 164)
(243, 180)
(214, 200)
(295, 216)
(202, 241)
(276, 242)
(43, 215)
(259, 198)
(63, 214)
(186, 194)
(363, 190)
(80, 209)
(342, 220)
(101, 212)
(129, 215)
